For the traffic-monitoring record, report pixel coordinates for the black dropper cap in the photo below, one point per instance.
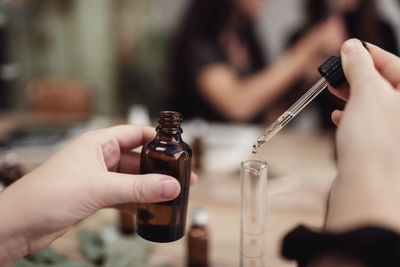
(332, 71)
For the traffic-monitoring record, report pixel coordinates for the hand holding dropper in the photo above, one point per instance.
(332, 73)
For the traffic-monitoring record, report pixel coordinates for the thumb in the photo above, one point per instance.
(359, 67)
(117, 188)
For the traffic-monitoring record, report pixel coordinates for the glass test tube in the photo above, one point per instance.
(253, 176)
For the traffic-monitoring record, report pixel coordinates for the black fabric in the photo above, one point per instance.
(197, 56)
(373, 246)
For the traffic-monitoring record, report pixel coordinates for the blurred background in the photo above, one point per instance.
(230, 66)
(115, 49)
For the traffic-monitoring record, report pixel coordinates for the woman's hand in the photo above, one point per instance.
(319, 43)
(326, 38)
(97, 170)
(367, 190)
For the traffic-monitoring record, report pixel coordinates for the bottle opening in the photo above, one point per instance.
(170, 122)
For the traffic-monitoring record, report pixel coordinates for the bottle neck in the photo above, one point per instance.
(168, 136)
(169, 126)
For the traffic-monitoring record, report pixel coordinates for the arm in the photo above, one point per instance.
(366, 191)
(97, 170)
(367, 188)
(241, 99)
(362, 225)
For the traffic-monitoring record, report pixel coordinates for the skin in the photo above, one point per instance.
(344, 6)
(337, 8)
(369, 132)
(366, 191)
(83, 178)
(250, 8)
(249, 96)
(97, 170)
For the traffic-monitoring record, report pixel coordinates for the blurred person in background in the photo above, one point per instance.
(217, 65)
(361, 20)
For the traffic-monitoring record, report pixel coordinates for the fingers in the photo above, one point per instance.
(130, 136)
(116, 188)
(193, 178)
(342, 92)
(387, 64)
(131, 207)
(336, 116)
(112, 141)
(359, 67)
(129, 162)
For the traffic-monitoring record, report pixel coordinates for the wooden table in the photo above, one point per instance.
(301, 170)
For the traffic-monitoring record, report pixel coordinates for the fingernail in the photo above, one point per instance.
(169, 189)
(353, 46)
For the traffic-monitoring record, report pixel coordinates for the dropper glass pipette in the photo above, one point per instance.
(332, 73)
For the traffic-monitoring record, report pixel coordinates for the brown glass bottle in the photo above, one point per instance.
(198, 151)
(166, 154)
(126, 223)
(198, 239)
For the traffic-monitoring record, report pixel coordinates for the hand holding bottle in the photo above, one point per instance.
(97, 170)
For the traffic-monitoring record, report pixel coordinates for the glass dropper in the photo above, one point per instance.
(332, 73)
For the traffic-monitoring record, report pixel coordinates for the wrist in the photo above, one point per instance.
(308, 46)
(13, 242)
(358, 200)
(11, 249)
(5, 260)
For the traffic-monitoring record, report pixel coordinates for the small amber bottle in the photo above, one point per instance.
(198, 151)
(198, 239)
(166, 154)
(126, 223)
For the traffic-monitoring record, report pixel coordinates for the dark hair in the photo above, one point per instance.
(365, 18)
(205, 21)
(206, 18)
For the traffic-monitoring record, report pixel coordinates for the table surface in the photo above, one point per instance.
(301, 170)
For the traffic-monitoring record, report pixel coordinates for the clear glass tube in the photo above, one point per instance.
(253, 176)
(290, 113)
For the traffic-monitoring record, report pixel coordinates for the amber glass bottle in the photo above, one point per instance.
(166, 154)
(198, 239)
(126, 223)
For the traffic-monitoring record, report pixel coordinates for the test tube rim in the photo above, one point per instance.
(245, 164)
